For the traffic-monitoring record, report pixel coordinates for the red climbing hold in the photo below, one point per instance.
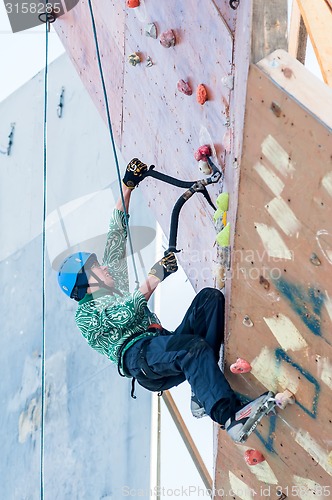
(184, 87)
(133, 3)
(167, 39)
(241, 366)
(253, 457)
(203, 152)
(201, 94)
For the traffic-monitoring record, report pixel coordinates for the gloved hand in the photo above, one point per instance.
(164, 267)
(134, 171)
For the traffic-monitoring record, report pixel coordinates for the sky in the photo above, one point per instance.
(23, 54)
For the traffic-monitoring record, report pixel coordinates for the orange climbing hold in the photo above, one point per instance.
(253, 457)
(241, 366)
(133, 3)
(201, 94)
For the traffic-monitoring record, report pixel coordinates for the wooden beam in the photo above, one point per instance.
(269, 28)
(317, 17)
(188, 440)
(297, 38)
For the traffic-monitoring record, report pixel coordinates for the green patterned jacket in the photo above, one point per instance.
(107, 321)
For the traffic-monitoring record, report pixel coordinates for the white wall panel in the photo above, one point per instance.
(97, 439)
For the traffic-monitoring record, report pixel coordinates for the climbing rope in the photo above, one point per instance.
(110, 128)
(43, 350)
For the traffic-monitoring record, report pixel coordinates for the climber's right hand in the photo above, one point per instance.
(134, 172)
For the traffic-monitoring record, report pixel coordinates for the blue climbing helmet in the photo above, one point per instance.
(72, 276)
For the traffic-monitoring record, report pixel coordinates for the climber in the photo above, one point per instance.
(119, 324)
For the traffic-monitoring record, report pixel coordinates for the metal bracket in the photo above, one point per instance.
(234, 4)
(7, 150)
(59, 109)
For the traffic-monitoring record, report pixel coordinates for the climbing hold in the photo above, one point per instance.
(222, 207)
(167, 39)
(241, 366)
(149, 62)
(253, 457)
(203, 152)
(134, 59)
(247, 322)
(228, 81)
(133, 3)
(223, 237)
(184, 87)
(151, 30)
(219, 213)
(204, 167)
(263, 281)
(201, 94)
(222, 201)
(314, 259)
(276, 109)
(285, 398)
(219, 272)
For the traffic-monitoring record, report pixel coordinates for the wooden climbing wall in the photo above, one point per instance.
(152, 120)
(281, 300)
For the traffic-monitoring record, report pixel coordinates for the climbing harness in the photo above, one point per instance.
(193, 187)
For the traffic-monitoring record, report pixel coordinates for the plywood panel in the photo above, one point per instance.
(281, 279)
(318, 20)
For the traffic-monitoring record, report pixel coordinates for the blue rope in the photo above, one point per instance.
(112, 136)
(43, 389)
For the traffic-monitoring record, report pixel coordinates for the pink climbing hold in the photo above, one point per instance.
(203, 152)
(167, 39)
(253, 457)
(241, 366)
(184, 87)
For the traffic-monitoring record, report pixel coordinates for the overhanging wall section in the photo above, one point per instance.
(281, 301)
(152, 120)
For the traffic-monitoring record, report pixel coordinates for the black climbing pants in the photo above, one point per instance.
(190, 352)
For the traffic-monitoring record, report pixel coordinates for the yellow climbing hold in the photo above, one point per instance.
(223, 237)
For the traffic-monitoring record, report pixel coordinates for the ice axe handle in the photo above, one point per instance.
(173, 232)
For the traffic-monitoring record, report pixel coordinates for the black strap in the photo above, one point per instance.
(132, 392)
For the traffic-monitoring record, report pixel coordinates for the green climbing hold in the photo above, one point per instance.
(218, 213)
(223, 237)
(222, 202)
